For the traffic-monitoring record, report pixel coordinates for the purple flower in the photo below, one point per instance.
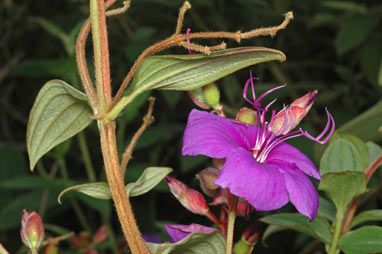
(178, 232)
(260, 167)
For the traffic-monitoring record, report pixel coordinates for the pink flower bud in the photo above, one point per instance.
(289, 117)
(100, 235)
(32, 230)
(251, 234)
(207, 177)
(189, 198)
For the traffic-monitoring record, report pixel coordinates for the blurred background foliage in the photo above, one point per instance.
(332, 46)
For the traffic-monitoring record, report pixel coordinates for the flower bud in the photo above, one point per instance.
(289, 117)
(32, 230)
(100, 235)
(191, 199)
(197, 97)
(248, 239)
(212, 95)
(207, 177)
(247, 115)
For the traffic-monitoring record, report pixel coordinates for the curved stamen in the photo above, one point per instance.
(250, 81)
(317, 139)
(268, 92)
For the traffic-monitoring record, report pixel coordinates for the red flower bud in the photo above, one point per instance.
(289, 117)
(191, 199)
(32, 230)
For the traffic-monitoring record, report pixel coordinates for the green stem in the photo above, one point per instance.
(337, 233)
(86, 157)
(231, 223)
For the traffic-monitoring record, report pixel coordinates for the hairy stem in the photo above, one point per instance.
(115, 180)
(101, 53)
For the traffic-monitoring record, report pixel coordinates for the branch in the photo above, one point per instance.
(147, 120)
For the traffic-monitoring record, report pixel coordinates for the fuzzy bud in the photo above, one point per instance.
(191, 199)
(3, 250)
(212, 95)
(207, 177)
(295, 113)
(32, 230)
(247, 115)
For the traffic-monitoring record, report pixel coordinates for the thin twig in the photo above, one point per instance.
(147, 120)
(181, 39)
(182, 11)
(58, 239)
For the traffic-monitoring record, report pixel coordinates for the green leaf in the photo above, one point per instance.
(342, 187)
(58, 113)
(359, 145)
(148, 180)
(196, 243)
(188, 72)
(341, 155)
(318, 228)
(370, 56)
(370, 215)
(326, 209)
(98, 190)
(375, 152)
(362, 241)
(354, 32)
(369, 131)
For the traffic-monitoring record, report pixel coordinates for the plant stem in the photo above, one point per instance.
(231, 222)
(101, 53)
(117, 187)
(337, 233)
(86, 157)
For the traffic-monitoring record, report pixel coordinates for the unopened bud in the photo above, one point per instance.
(248, 239)
(212, 95)
(207, 177)
(197, 97)
(191, 199)
(288, 118)
(100, 235)
(32, 230)
(247, 115)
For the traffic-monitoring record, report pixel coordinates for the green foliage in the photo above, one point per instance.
(342, 187)
(196, 243)
(370, 215)
(147, 181)
(318, 228)
(59, 112)
(362, 241)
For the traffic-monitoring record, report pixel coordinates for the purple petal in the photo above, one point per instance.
(261, 184)
(151, 238)
(302, 192)
(214, 136)
(178, 232)
(287, 153)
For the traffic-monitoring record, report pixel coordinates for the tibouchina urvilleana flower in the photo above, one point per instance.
(260, 167)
